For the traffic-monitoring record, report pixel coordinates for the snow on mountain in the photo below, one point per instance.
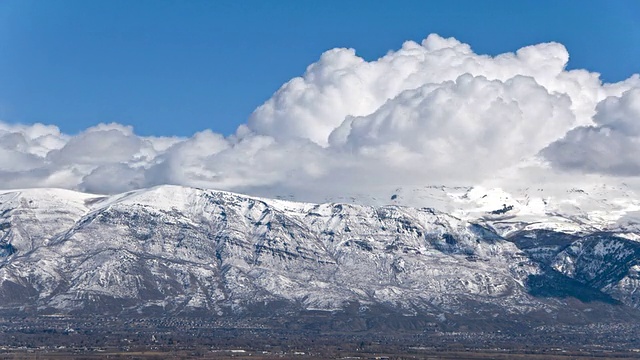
(573, 210)
(30, 217)
(181, 250)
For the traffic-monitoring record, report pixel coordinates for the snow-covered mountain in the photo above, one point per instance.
(182, 250)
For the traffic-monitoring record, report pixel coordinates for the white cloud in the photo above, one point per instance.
(113, 178)
(429, 113)
(611, 146)
(464, 129)
(209, 160)
(102, 144)
(342, 84)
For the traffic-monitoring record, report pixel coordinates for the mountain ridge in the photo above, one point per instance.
(178, 250)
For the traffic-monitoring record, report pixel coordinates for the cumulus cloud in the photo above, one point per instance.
(429, 113)
(470, 126)
(102, 144)
(342, 84)
(113, 178)
(610, 146)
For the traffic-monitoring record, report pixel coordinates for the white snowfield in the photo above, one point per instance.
(178, 249)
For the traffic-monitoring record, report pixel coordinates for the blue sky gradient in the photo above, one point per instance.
(174, 68)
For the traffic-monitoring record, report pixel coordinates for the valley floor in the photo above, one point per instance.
(316, 355)
(54, 337)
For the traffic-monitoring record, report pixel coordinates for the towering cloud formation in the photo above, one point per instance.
(429, 113)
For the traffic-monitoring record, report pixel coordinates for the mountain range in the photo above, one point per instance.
(474, 258)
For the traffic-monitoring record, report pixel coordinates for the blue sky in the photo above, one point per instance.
(177, 67)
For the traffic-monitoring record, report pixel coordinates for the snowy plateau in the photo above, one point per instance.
(469, 257)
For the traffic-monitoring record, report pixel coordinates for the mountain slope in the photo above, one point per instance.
(180, 250)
